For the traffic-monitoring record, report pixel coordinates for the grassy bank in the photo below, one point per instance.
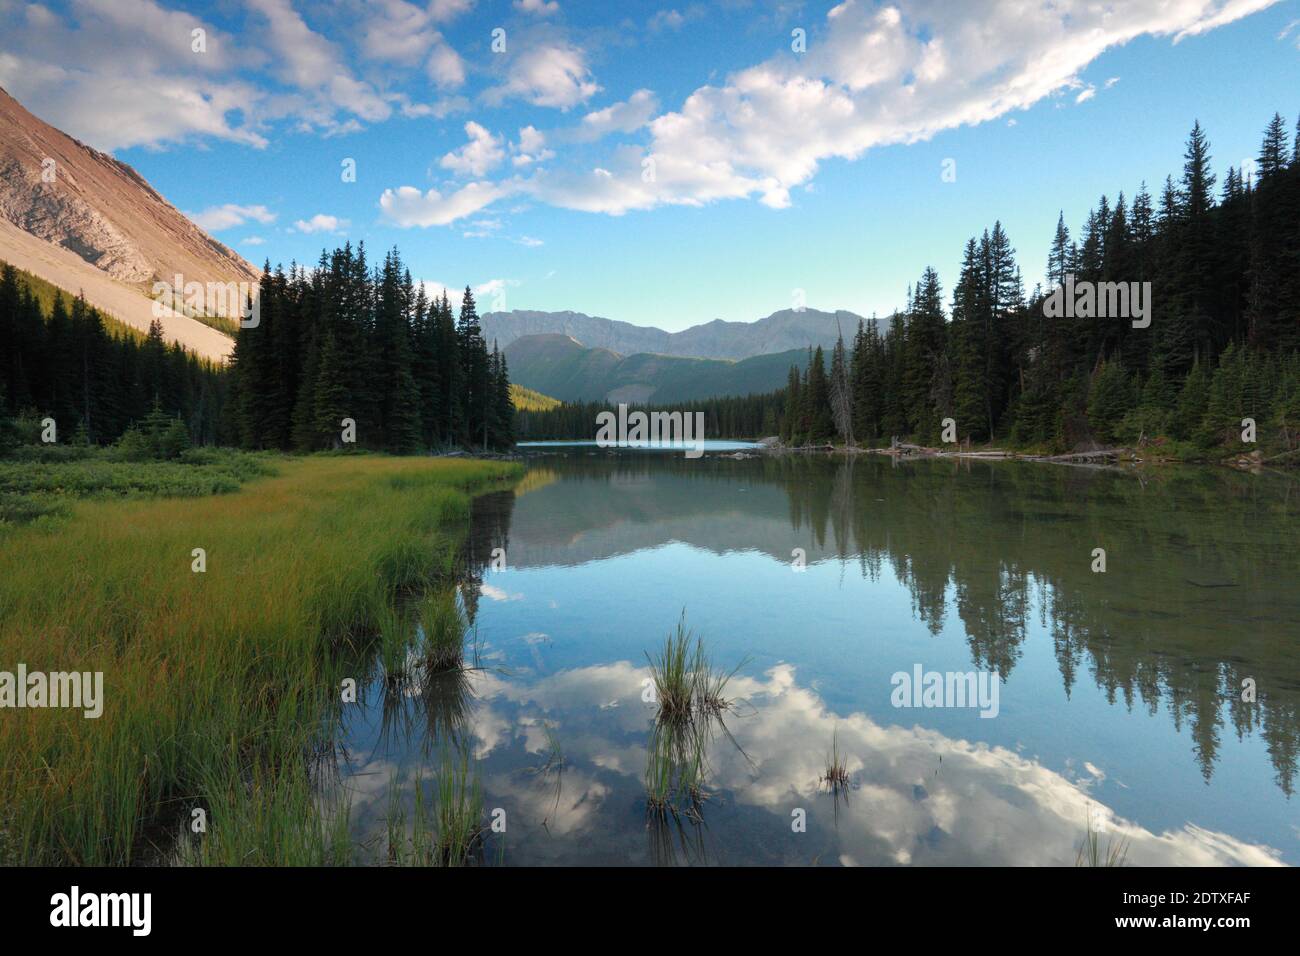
(218, 686)
(38, 482)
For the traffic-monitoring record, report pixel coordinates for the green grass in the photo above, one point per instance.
(446, 827)
(443, 621)
(674, 674)
(219, 687)
(686, 684)
(41, 481)
(690, 694)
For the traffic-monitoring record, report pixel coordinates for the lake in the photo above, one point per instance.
(1155, 704)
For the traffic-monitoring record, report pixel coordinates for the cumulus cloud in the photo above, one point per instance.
(321, 223)
(216, 218)
(531, 147)
(875, 76)
(174, 77)
(624, 117)
(155, 89)
(547, 74)
(872, 76)
(482, 153)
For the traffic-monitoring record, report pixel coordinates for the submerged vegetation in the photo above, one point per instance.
(690, 696)
(446, 824)
(836, 777)
(220, 688)
(686, 684)
(1090, 851)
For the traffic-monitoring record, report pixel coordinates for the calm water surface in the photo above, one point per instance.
(1120, 693)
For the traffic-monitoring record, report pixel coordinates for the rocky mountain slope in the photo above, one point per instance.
(90, 223)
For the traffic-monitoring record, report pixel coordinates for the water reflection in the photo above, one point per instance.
(920, 798)
(603, 549)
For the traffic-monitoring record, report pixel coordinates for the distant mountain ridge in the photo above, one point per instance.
(561, 367)
(779, 332)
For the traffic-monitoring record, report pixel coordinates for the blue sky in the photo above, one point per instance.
(659, 164)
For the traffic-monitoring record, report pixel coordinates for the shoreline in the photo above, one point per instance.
(1098, 458)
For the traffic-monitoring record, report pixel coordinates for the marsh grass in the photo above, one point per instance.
(444, 625)
(836, 776)
(214, 683)
(691, 698)
(674, 674)
(687, 687)
(1090, 850)
(446, 825)
(676, 770)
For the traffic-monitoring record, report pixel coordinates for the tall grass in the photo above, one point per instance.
(446, 826)
(216, 684)
(444, 625)
(686, 684)
(691, 699)
(836, 776)
(1090, 850)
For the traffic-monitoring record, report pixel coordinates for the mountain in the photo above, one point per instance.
(779, 332)
(560, 366)
(88, 223)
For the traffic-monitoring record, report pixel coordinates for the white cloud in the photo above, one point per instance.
(153, 90)
(625, 117)
(253, 241)
(543, 8)
(873, 77)
(406, 206)
(489, 591)
(482, 153)
(321, 223)
(444, 10)
(445, 67)
(396, 31)
(665, 20)
(1086, 94)
(531, 147)
(216, 218)
(548, 74)
(307, 60)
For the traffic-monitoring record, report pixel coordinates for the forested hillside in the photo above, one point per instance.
(341, 355)
(61, 358)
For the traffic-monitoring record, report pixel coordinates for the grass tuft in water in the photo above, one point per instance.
(686, 685)
(836, 776)
(445, 626)
(446, 827)
(1090, 852)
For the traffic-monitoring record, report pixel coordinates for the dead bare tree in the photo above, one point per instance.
(841, 391)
